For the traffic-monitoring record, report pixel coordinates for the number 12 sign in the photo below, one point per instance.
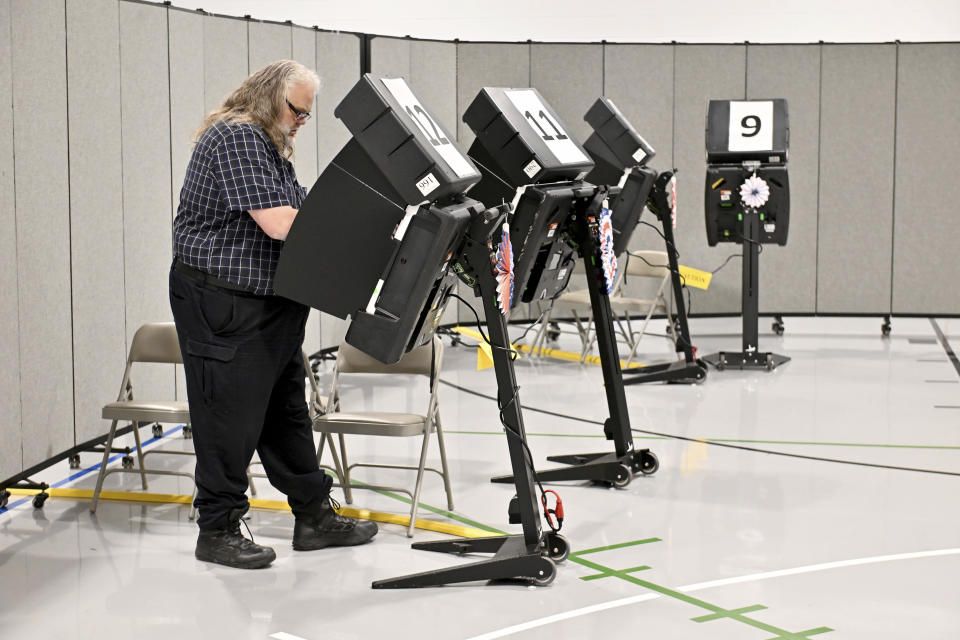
(751, 126)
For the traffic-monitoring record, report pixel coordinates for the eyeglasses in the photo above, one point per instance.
(302, 116)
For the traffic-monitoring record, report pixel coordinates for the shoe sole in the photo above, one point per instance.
(260, 564)
(316, 547)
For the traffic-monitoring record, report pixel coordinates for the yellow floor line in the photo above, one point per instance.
(260, 503)
(557, 354)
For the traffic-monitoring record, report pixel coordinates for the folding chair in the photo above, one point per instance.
(425, 360)
(639, 264)
(152, 343)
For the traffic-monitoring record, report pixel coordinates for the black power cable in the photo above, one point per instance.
(714, 443)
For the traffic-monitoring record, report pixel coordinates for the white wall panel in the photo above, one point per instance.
(926, 220)
(704, 73)
(38, 42)
(482, 65)
(268, 43)
(225, 58)
(788, 275)
(185, 33)
(433, 76)
(857, 123)
(570, 77)
(96, 206)
(11, 454)
(145, 130)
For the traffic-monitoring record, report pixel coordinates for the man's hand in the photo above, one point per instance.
(275, 221)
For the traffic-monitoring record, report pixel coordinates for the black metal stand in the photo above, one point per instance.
(750, 357)
(610, 468)
(531, 555)
(689, 370)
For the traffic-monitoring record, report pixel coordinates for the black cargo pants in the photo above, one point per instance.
(245, 385)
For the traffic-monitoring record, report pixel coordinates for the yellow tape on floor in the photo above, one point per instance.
(567, 356)
(266, 505)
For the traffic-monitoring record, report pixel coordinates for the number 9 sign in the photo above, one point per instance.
(751, 126)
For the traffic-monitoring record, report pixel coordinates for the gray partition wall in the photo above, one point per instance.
(926, 223)
(703, 72)
(99, 100)
(788, 275)
(96, 214)
(42, 201)
(11, 455)
(857, 104)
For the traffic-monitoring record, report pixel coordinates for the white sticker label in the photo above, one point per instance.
(639, 155)
(546, 127)
(433, 135)
(553, 229)
(751, 126)
(532, 169)
(428, 184)
(561, 273)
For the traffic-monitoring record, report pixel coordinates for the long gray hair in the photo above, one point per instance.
(261, 100)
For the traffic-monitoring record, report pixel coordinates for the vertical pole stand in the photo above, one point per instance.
(750, 357)
(689, 370)
(532, 555)
(616, 468)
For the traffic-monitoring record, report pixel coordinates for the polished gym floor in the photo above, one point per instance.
(817, 500)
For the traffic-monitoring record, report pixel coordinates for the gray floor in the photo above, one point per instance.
(835, 538)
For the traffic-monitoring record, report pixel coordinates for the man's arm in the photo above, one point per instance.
(275, 221)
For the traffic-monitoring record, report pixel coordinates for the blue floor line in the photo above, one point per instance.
(80, 474)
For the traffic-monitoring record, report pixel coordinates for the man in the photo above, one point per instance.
(241, 343)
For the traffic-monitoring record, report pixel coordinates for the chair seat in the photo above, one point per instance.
(142, 411)
(373, 423)
(641, 305)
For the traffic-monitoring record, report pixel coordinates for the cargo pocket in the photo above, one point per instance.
(215, 365)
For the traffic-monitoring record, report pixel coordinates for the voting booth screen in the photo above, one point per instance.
(374, 237)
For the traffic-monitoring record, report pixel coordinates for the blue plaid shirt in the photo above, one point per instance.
(235, 168)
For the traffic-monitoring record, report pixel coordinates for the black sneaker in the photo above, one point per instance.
(229, 547)
(330, 529)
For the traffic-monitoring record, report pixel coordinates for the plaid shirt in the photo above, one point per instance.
(235, 168)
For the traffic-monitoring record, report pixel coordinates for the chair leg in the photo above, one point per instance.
(253, 487)
(136, 437)
(103, 466)
(347, 492)
(419, 486)
(443, 460)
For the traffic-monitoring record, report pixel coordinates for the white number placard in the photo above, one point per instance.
(550, 131)
(430, 129)
(751, 126)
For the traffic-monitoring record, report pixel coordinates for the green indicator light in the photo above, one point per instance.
(726, 232)
(761, 216)
(740, 217)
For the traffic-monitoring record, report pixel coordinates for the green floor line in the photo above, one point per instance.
(781, 634)
(728, 613)
(614, 574)
(624, 574)
(878, 445)
(619, 545)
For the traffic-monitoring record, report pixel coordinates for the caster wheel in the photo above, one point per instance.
(187, 432)
(777, 328)
(721, 364)
(75, 461)
(157, 431)
(769, 362)
(4, 498)
(39, 499)
(546, 574)
(557, 548)
(885, 330)
(650, 463)
(701, 373)
(624, 476)
(126, 462)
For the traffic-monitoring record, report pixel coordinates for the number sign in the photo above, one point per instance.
(544, 125)
(751, 126)
(429, 127)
